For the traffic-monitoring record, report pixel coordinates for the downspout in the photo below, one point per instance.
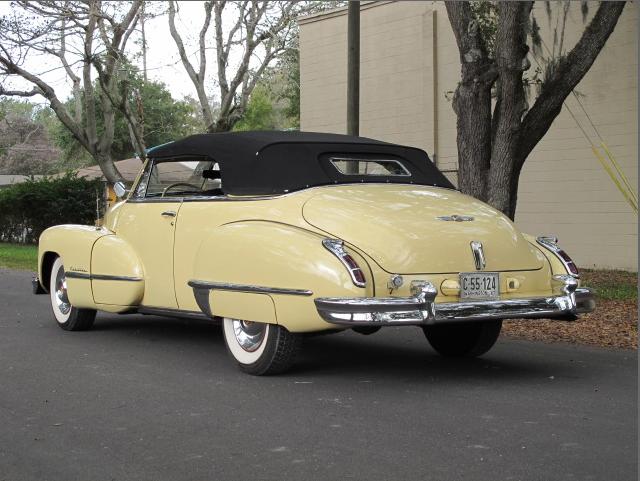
(353, 68)
(434, 29)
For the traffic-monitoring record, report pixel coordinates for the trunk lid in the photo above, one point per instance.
(399, 227)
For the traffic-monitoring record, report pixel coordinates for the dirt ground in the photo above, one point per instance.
(614, 323)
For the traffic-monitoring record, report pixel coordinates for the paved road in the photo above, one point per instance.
(148, 398)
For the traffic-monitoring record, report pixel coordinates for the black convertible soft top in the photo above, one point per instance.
(275, 162)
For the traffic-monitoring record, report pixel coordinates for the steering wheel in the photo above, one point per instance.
(176, 184)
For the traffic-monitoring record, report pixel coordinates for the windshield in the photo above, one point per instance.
(180, 179)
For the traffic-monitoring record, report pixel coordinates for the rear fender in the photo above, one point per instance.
(556, 267)
(281, 269)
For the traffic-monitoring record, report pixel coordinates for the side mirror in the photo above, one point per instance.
(120, 189)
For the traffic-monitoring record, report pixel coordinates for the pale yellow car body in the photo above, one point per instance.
(276, 242)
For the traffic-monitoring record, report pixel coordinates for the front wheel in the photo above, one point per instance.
(467, 339)
(258, 348)
(69, 318)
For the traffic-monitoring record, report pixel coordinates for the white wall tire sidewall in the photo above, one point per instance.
(58, 314)
(239, 354)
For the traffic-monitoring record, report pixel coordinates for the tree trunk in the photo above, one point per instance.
(511, 63)
(472, 102)
(108, 167)
(492, 148)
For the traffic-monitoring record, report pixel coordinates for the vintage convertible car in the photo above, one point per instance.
(284, 233)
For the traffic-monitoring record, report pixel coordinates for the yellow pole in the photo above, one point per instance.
(615, 180)
(620, 173)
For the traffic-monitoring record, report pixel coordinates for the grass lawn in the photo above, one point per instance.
(611, 285)
(18, 256)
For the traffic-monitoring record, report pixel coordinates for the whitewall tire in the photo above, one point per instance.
(67, 316)
(258, 348)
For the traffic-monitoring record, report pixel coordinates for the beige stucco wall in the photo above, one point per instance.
(409, 67)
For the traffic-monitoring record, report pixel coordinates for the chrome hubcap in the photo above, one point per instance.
(249, 335)
(61, 299)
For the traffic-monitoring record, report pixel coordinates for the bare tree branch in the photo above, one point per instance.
(20, 93)
(95, 33)
(196, 78)
(260, 31)
(566, 76)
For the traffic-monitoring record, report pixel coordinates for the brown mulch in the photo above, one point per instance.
(614, 323)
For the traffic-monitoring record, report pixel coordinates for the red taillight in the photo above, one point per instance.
(337, 248)
(568, 262)
(550, 243)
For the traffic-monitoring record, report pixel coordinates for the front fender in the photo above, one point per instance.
(103, 271)
(117, 277)
(73, 243)
(288, 267)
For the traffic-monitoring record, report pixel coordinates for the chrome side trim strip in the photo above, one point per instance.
(242, 198)
(154, 200)
(76, 275)
(105, 277)
(202, 289)
(101, 277)
(224, 286)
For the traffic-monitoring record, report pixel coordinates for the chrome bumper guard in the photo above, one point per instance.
(420, 309)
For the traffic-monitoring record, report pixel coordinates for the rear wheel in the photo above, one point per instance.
(258, 348)
(468, 339)
(68, 317)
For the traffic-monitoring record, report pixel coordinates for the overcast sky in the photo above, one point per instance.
(163, 61)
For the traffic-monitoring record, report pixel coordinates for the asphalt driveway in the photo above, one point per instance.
(142, 397)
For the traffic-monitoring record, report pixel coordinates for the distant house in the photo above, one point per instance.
(9, 179)
(129, 169)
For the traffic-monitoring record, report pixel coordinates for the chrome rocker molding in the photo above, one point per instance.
(420, 309)
(100, 277)
(157, 311)
(201, 290)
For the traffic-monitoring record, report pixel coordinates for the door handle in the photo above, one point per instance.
(169, 213)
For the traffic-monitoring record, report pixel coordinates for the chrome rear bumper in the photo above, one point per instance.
(420, 309)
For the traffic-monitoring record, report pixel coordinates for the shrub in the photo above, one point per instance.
(28, 208)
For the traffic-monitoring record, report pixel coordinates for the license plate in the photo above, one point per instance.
(479, 285)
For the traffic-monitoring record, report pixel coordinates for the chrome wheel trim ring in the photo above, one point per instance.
(60, 297)
(249, 335)
(60, 304)
(241, 355)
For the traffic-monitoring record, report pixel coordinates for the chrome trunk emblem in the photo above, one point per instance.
(478, 255)
(455, 218)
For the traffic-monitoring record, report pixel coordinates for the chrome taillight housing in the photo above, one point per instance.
(336, 247)
(551, 244)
